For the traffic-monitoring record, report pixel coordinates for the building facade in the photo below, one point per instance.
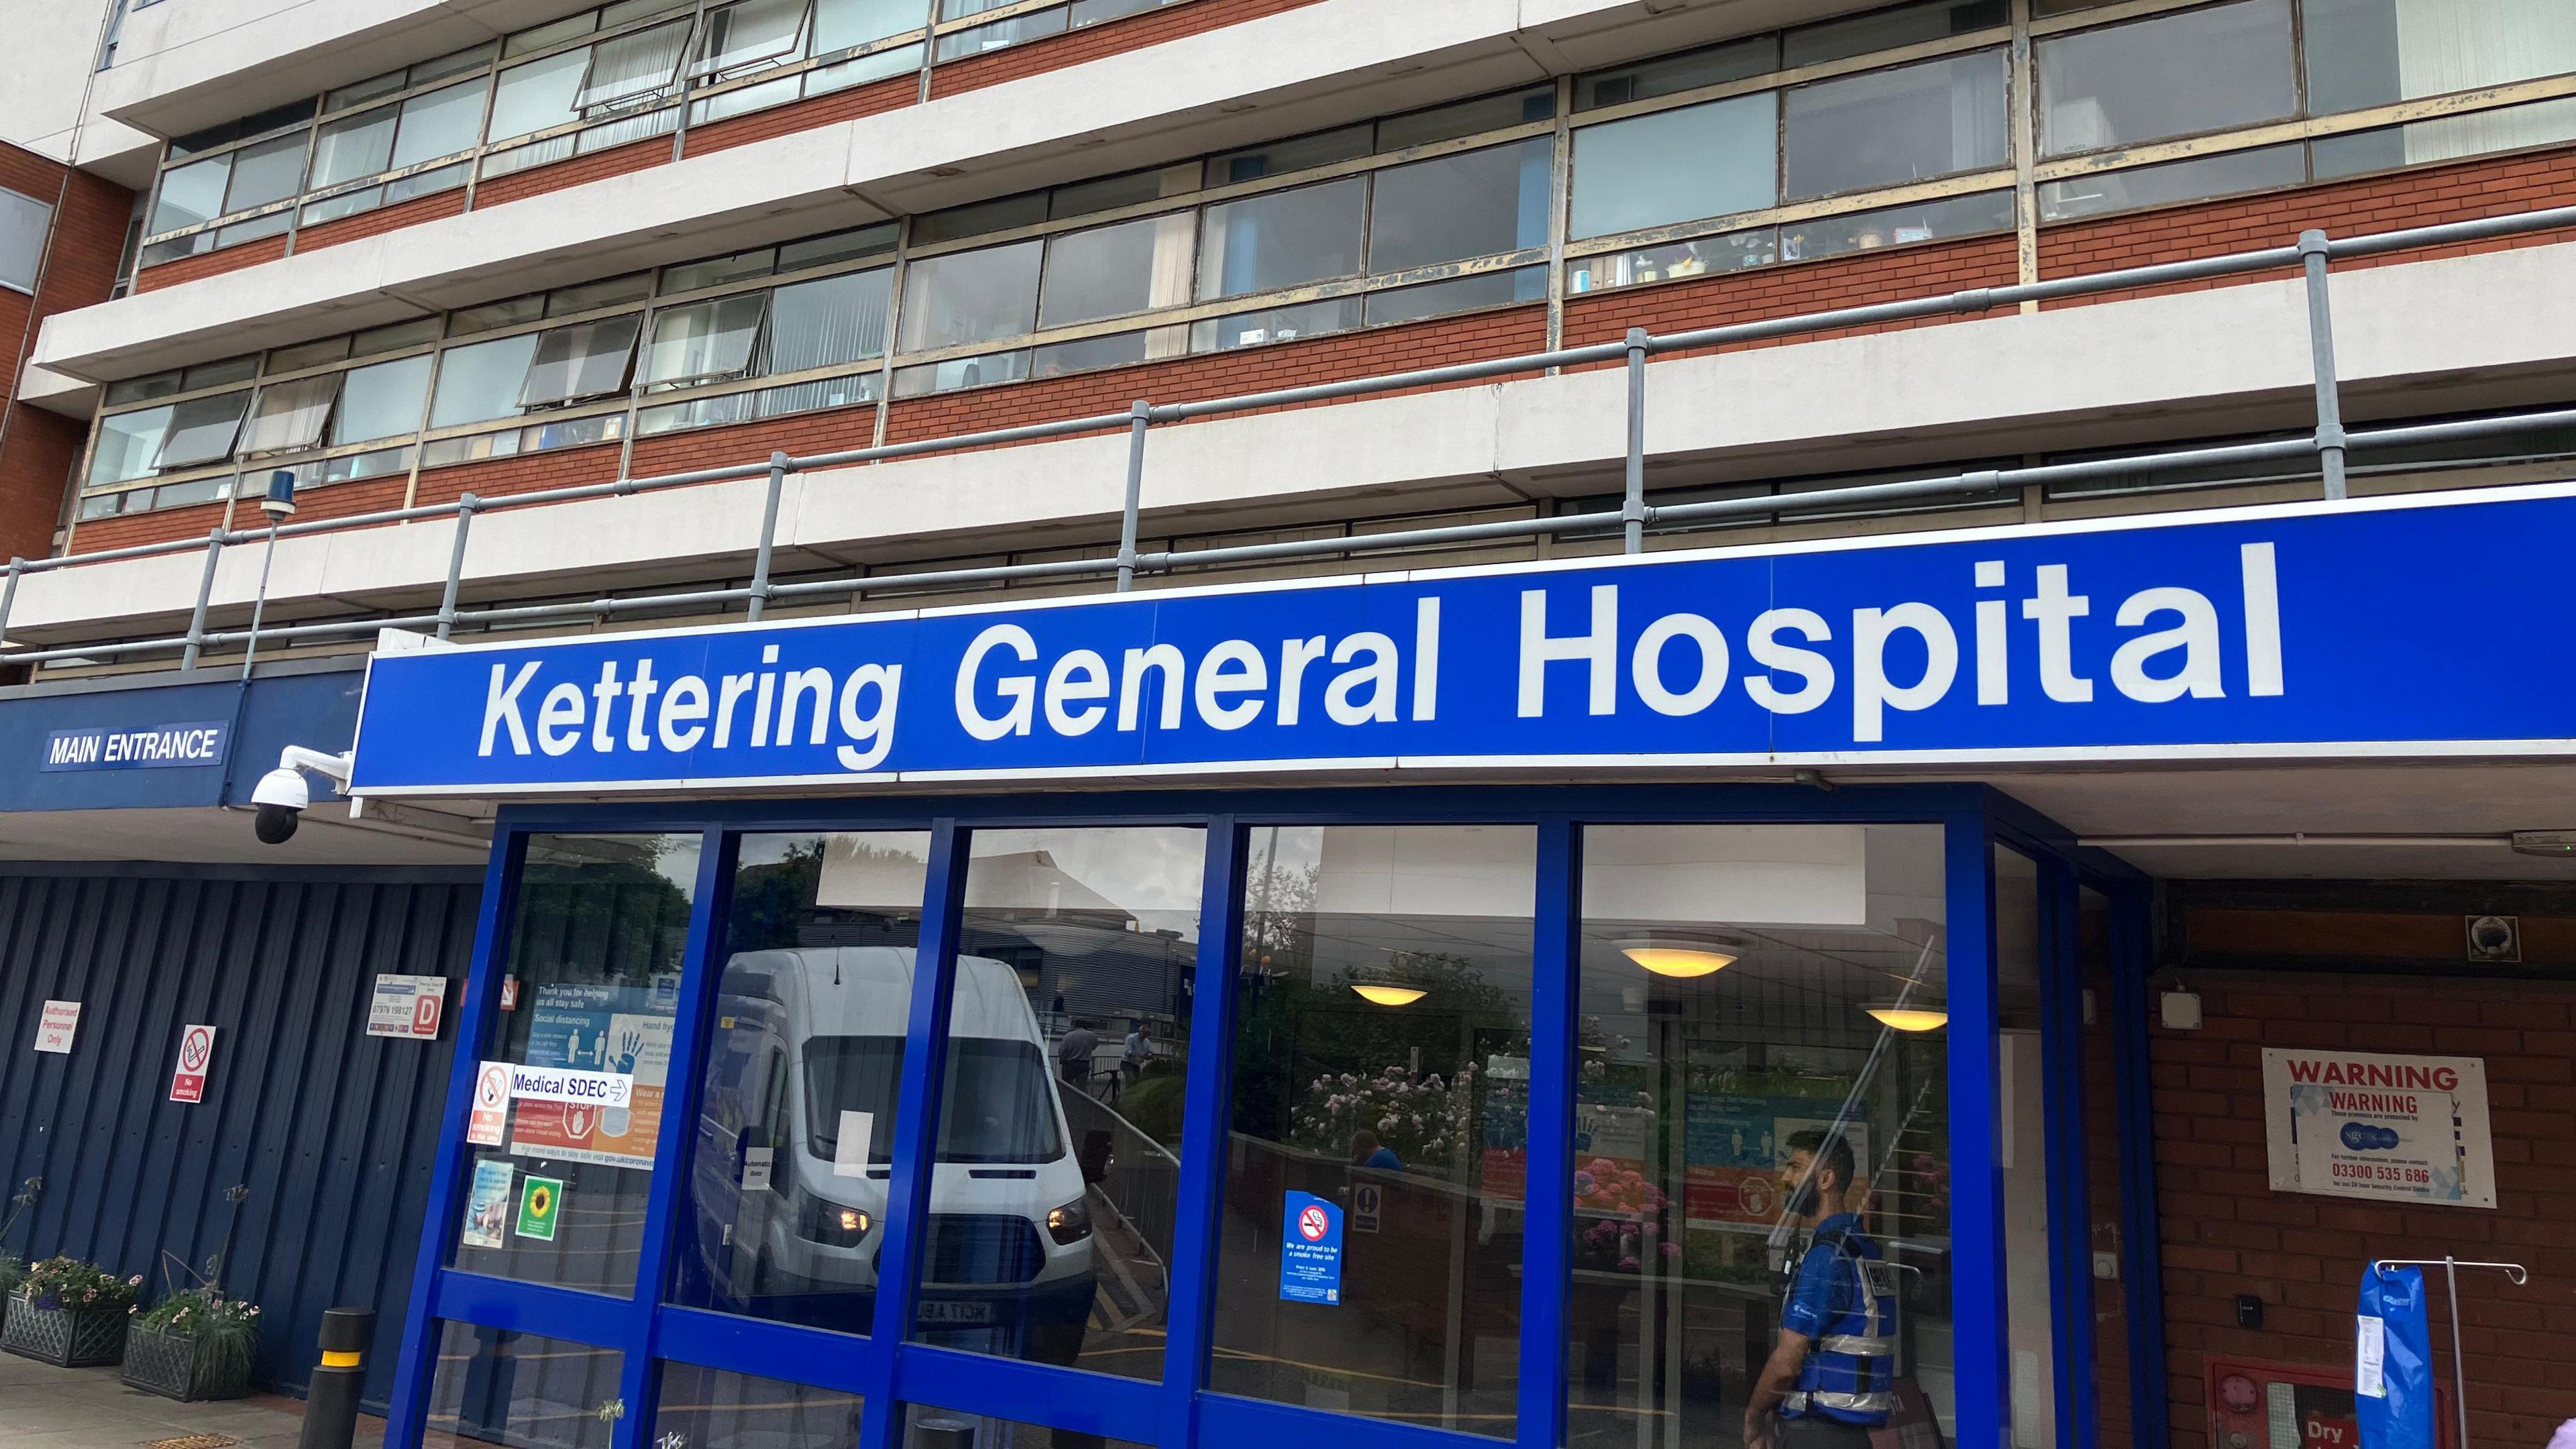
(1190, 721)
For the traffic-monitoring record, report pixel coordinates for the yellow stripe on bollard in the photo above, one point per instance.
(333, 1359)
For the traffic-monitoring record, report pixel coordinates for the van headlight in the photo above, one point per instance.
(835, 1225)
(1070, 1223)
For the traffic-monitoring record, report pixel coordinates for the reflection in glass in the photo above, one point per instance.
(493, 1386)
(787, 1181)
(1381, 1059)
(2171, 75)
(2232, 173)
(971, 296)
(704, 1408)
(1285, 239)
(1112, 271)
(2376, 52)
(2021, 1087)
(1059, 1127)
(1469, 205)
(929, 1428)
(2105, 1185)
(1749, 994)
(1700, 161)
(1896, 226)
(593, 986)
(1889, 127)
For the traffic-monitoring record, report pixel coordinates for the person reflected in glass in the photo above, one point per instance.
(1139, 1049)
(1831, 1376)
(1368, 1151)
(1073, 1052)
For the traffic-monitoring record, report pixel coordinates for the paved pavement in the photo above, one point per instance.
(43, 1407)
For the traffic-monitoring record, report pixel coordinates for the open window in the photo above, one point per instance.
(584, 360)
(202, 430)
(704, 340)
(289, 416)
(633, 66)
(748, 32)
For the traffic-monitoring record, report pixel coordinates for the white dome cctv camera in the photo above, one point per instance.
(281, 795)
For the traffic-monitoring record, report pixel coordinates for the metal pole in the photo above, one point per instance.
(2330, 434)
(258, 606)
(768, 535)
(2459, 1365)
(1632, 510)
(205, 591)
(1140, 416)
(9, 598)
(456, 565)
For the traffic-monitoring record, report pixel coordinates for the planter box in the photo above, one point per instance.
(175, 1366)
(69, 1338)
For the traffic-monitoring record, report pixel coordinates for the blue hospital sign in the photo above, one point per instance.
(2411, 626)
(1310, 1250)
(151, 748)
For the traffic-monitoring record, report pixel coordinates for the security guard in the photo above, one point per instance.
(1831, 1378)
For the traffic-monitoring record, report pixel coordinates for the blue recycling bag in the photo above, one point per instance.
(2392, 1361)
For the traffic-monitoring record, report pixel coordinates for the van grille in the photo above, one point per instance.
(982, 1248)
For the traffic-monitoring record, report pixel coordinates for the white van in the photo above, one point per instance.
(795, 1140)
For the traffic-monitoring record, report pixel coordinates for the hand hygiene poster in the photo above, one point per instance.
(599, 1028)
(2398, 1129)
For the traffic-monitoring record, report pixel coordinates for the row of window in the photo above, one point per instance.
(1364, 229)
(603, 78)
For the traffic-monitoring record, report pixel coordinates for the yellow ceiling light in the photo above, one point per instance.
(1910, 1018)
(1679, 957)
(1385, 995)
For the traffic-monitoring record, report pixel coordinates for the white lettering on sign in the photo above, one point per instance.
(563, 1084)
(55, 1030)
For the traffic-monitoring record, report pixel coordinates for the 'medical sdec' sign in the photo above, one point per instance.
(2429, 624)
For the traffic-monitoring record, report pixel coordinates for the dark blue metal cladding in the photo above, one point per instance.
(332, 1131)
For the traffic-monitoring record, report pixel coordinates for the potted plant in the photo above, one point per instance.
(69, 1313)
(193, 1344)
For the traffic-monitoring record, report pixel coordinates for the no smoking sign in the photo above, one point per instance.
(196, 1057)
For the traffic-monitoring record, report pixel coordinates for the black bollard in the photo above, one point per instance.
(331, 1399)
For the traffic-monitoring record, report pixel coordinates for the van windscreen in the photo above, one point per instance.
(1000, 1105)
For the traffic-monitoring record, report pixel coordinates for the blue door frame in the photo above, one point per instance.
(1179, 1412)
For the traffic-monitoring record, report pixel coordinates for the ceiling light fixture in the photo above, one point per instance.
(1899, 1017)
(1385, 995)
(1680, 957)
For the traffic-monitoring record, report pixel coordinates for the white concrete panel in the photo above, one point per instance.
(45, 72)
(1995, 383)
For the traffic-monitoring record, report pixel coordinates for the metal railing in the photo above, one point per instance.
(2328, 444)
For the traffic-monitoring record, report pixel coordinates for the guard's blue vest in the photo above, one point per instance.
(1850, 1373)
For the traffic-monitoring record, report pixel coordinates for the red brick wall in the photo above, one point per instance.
(2494, 186)
(1856, 280)
(2226, 1232)
(381, 220)
(527, 473)
(342, 500)
(208, 264)
(892, 94)
(831, 431)
(38, 449)
(599, 165)
(1499, 333)
(1153, 27)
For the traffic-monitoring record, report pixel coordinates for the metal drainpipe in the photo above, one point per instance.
(1632, 511)
(2330, 434)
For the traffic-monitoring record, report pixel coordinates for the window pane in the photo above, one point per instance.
(587, 359)
(2022, 1084)
(381, 401)
(127, 444)
(633, 65)
(1417, 1091)
(1738, 60)
(607, 292)
(290, 414)
(359, 146)
(1056, 1249)
(2543, 123)
(959, 372)
(835, 320)
(929, 1428)
(1295, 154)
(1894, 126)
(796, 1129)
(2175, 75)
(1466, 118)
(840, 24)
(716, 271)
(1988, 211)
(538, 95)
(594, 953)
(1459, 294)
(1281, 324)
(494, 1386)
(23, 223)
(202, 431)
(1700, 161)
(441, 123)
(2375, 52)
(1285, 239)
(1888, 29)
(481, 381)
(2270, 168)
(191, 194)
(749, 31)
(1115, 270)
(1002, 213)
(1745, 990)
(840, 246)
(1469, 205)
(1734, 251)
(705, 339)
(269, 171)
(971, 296)
(704, 1408)
(1001, 34)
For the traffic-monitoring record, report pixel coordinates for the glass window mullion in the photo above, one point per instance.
(1983, 1363)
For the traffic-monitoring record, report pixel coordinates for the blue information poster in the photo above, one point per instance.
(1310, 1251)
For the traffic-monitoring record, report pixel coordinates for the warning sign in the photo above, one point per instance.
(2357, 1124)
(407, 1006)
(490, 1123)
(1310, 1251)
(55, 1030)
(196, 1055)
